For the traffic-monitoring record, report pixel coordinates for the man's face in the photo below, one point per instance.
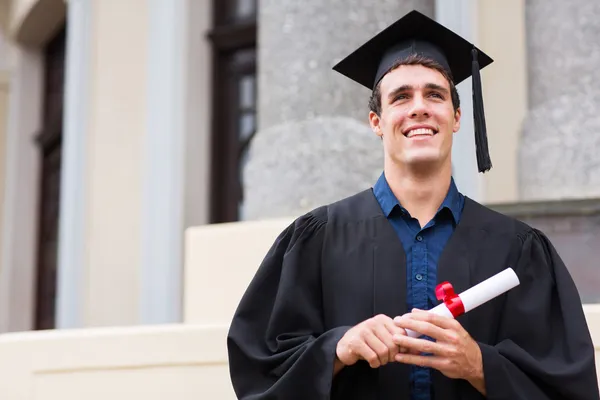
(417, 118)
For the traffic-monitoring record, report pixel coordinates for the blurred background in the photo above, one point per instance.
(151, 151)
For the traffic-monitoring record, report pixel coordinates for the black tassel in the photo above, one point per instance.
(484, 162)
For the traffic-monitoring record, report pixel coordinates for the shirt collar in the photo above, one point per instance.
(453, 201)
(385, 196)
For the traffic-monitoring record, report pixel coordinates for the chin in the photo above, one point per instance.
(422, 158)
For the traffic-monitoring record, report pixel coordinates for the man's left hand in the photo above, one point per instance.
(454, 353)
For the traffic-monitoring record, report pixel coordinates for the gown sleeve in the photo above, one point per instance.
(544, 348)
(277, 345)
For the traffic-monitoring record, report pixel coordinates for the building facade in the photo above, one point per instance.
(124, 123)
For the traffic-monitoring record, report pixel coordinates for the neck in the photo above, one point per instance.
(420, 192)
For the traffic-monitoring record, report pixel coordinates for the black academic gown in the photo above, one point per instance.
(343, 263)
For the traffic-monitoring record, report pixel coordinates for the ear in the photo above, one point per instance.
(457, 116)
(375, 123)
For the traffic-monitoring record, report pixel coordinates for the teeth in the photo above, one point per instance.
(420, 131)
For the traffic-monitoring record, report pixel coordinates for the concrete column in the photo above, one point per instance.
(314, 144)
(461, 17)
(72, 228)
(116, 139)
(148, 167)
(560, 140)
(176, 159)
(163, 216)
(504, 93)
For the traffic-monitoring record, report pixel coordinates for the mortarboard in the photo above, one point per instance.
(417, 34)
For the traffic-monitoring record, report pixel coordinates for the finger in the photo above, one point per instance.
(423, 327)
(439, 363)
(364, 352)
(393, 329)
(399, 330)
(377, 346)
(424, 346)
(382, 332)
(437, 320)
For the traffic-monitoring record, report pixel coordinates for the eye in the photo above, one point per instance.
(437, 95)
(400, 97)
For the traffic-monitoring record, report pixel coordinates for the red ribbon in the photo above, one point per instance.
(444, 291)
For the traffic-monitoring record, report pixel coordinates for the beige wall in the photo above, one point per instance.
(115, 139)
(215, 276)
(502, 35)
(119, 109)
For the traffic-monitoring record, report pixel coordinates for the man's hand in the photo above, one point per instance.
(455, 353)
(371, 340)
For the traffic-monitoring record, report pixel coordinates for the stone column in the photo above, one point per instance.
(314, 144)
(75, 156)
(164, 173)
(561, 135)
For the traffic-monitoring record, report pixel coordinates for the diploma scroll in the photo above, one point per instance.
(455, 305)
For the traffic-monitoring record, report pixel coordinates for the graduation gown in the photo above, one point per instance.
(343, 263)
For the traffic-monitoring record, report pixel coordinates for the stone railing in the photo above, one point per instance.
(156, 362)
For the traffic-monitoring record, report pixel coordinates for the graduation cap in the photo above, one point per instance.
(417, 34)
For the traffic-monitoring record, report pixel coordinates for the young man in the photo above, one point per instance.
(327, 312)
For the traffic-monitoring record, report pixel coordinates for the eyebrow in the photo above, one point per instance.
(408, 88)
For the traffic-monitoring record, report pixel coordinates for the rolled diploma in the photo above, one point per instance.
(479, 294)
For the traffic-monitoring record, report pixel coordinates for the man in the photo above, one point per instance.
(326, 315)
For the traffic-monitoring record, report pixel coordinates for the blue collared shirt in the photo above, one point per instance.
(423, 247)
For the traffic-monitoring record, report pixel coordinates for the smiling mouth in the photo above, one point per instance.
(420, 132)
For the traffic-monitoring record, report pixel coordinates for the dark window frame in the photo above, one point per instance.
(230, 37)
(49, 142)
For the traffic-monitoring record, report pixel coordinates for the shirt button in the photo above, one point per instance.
(419, 277)
(420, 238)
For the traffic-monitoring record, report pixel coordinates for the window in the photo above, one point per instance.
(50, 145)
(234, 102)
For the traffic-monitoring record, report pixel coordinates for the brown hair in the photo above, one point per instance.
(416, 59)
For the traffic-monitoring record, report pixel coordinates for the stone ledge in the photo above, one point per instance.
(550, 208)
(573, 227)
(180, 361)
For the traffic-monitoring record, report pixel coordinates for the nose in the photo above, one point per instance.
(419, 107)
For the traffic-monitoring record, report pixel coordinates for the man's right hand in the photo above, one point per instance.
(371, 340)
